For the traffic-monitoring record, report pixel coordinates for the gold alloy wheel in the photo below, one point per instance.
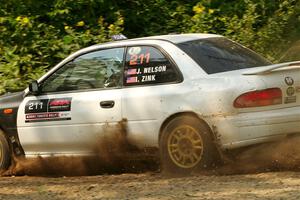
(185, 146)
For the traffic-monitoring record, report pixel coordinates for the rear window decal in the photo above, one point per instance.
(134, 50)
(147, 65)
(131, 80)
(139, 59)
(133, 71)
(48, 110)
(161, 68)
(148, 78)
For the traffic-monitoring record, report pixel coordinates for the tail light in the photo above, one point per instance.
(267, 97)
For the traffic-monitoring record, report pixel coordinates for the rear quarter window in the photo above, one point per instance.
(215, 55)
(146, 65)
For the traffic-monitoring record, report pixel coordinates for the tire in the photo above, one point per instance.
(186, 145)
(5, 154)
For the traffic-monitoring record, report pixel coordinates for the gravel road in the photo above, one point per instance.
(148, 186)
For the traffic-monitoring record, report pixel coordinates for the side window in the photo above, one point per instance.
(147, 65)
(99, 69)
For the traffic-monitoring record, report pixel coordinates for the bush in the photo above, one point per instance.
(31, 44)
(36, 34)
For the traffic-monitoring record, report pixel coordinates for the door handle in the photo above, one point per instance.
(107, 104)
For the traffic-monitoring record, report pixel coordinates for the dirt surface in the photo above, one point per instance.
(276, 185)
(266, 171)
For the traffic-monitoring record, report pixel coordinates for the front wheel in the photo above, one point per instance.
(186, 145)
(5, 155)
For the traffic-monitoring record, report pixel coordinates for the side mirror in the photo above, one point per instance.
(34, 88)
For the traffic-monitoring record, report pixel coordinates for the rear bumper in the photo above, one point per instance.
(246, 129)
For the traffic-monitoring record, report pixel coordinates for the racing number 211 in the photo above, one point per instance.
(35, 106)
(139, 59)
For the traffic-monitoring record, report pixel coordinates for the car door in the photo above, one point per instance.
(149, 92)
(76, 105)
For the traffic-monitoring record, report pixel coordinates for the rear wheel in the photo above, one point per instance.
(5, 155)
(186, 145)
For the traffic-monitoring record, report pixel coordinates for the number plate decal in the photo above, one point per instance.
(48, 110)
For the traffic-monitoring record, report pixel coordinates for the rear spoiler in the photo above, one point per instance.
(270, 68)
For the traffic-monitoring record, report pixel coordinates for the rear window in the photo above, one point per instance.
(216, 55)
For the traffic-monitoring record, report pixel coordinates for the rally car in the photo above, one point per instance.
(190, 96)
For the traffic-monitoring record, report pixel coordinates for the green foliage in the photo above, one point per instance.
(37, 34)
(30, 43)
(259, 25)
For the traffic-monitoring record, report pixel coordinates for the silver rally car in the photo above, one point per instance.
(190, 96)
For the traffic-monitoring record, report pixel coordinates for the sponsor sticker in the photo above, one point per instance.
(59, 105)
(290, 91)
(291, 99)
(48, 110)
(134, 50)
(289, 80)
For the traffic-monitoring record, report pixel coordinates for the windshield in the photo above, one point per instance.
(216, 55)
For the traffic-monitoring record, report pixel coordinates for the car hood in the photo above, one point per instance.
(11, 99)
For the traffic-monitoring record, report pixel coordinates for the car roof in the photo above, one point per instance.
(179, 38)
(173, 38)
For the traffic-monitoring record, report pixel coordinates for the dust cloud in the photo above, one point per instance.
(113, 154)
(282, 155)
